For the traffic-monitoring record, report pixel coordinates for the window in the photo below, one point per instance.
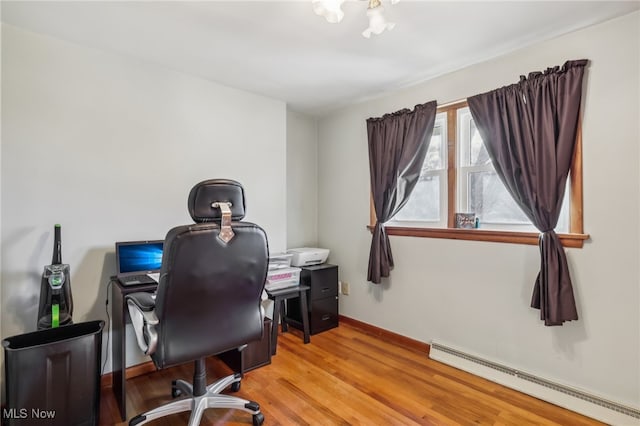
(458, 176)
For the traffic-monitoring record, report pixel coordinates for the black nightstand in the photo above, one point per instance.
(322, 298)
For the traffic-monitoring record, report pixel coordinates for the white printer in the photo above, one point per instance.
(307, 256)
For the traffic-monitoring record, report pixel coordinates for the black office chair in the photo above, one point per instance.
(208, 299)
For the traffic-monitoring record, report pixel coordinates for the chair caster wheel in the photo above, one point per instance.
(175, 392)
(258, 419)
(235, 386)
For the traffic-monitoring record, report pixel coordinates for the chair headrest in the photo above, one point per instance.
(208, 192)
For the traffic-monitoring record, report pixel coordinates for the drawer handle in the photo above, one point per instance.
(324, 290)
(326, 317)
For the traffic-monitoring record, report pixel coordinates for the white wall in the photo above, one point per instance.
(302, 180)
(109, 147)
(476, 295)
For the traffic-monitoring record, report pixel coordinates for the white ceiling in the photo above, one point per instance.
(282, 50)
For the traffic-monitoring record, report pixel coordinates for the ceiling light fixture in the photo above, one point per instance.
(332, 11)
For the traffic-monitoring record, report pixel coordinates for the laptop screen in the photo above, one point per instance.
(139, 256)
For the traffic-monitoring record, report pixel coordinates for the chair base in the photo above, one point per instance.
(197, 404)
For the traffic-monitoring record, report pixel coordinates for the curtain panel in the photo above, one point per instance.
(398, 144)
(529, 129)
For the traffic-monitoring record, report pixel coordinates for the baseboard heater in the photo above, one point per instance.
(546, 390)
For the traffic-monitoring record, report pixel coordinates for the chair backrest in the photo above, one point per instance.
(210, 288)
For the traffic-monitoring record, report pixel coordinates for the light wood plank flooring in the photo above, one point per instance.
(348, 377)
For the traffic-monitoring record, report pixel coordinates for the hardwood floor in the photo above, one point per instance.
(346, 376)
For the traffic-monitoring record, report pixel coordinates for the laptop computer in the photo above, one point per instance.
(138, 262)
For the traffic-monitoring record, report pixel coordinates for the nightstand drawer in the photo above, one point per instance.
(323, 280)
(323, 315)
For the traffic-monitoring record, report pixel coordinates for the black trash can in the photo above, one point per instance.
(52, 376)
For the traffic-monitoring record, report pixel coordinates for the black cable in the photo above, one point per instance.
(106, 309)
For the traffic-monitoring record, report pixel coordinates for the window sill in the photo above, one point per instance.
(530, 238)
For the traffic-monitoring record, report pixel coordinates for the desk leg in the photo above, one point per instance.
(283, 316)
(118, 349)
(305, 316)
(277, 302)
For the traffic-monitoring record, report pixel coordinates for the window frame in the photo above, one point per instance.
(574, 238)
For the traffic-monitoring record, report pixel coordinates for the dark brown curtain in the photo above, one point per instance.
(529, 129)
(398, 143)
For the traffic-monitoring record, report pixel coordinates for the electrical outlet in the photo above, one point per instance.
(344, 286)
